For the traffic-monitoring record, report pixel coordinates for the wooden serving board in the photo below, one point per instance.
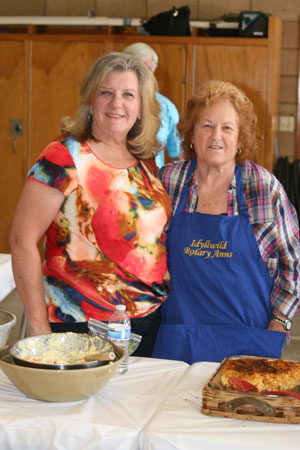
(222, 402)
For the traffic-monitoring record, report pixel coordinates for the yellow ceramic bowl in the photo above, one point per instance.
(58, 385)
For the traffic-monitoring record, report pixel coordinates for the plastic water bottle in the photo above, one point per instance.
(118, 331)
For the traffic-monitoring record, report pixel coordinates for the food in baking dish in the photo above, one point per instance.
(265, 374)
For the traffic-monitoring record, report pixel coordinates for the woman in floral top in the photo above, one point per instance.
(94, 193)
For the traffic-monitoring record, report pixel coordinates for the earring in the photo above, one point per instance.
(192, 147)
(90, 118)
(239, 151)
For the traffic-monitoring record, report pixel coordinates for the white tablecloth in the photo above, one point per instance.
(7, 283)
(111, 419)
(179, 424)
(155, 406)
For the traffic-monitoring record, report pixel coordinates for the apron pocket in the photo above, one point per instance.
(193, 343)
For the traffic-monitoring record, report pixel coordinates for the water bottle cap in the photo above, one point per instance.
(121, 308)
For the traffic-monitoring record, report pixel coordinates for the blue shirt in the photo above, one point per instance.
(167, 133)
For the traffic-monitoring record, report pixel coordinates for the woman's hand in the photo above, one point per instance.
(274, 325)
(46, 329)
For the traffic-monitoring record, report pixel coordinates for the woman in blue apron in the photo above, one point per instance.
(224, 300)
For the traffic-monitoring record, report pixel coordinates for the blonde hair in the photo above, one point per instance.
(141, 139)
(210, 92)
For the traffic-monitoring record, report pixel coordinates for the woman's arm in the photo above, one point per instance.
(276, 229)
(37, 207)
(285, 296)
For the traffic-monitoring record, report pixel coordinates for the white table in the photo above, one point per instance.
(112, 419)
(155, 406)
(7, 283)
(178, 423)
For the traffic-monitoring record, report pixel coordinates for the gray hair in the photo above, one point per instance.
(143, 52)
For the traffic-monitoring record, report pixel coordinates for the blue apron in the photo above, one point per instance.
(219, 303)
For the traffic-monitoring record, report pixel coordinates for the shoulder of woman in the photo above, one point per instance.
(54, 164)
(175, 168)
(174, 175)
(57, 143)
(65, 149)
(255, 173)
(261, 185)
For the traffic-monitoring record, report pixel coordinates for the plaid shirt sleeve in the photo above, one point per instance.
(278, 238)
(276, 229)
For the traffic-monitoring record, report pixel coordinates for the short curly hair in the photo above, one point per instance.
(210, 92)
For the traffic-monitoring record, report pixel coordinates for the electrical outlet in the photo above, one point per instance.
(287, 123)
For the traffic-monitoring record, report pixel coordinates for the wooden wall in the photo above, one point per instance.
(287, 10)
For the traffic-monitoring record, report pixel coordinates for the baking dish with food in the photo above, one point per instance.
(240, 398)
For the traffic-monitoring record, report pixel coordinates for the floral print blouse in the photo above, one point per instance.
(107, 244)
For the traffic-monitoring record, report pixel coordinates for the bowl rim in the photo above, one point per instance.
(47, 366)
(4, 351)
(11, 322)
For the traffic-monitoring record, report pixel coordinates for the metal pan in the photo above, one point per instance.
(64, 347)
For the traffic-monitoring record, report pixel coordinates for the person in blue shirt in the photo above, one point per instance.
(169, 115)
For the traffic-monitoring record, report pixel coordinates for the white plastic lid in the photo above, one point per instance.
(121, 308)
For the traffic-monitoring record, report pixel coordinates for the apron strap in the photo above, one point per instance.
(242, 205)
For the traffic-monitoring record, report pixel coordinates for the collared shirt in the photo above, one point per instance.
(272, 216)
(167, 134)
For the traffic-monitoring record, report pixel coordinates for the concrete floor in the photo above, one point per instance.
(13, 304)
